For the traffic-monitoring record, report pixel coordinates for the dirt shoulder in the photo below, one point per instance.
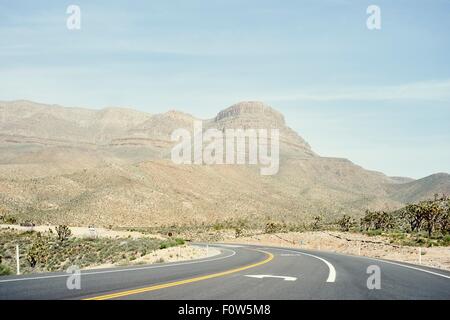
(353, 244)
(172, 254)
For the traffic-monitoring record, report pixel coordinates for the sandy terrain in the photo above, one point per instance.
(354, 244)
(172, 254)
(86, 232)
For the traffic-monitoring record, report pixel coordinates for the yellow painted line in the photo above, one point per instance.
(181, 282)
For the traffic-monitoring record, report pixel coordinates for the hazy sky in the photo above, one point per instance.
(378, 97)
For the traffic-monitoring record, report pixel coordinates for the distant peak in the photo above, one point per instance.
(438, 175)
(118, 110)
(251, 104)
(178, 115)
(250, 108)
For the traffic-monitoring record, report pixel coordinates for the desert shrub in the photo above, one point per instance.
(38, 253)
(179, 241)
(272, 227)
(5, 270)
(373, 233)
(218, 226)
(8, 219)
(346, 223)
(171, 243)
(378, 220)
(446, 240)
(63, 232)
(44, 252)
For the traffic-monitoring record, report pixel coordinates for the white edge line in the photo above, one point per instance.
(390, 262)
(378, 260)
(409, 267)
(331, 269)
(123, 270)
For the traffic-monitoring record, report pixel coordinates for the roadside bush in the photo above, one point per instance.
(179, 241)
(44, 252)
(378, 220)
(171, 243)
(63, 232)
(37, 253)
(8, 219)
(271, 227)
(346, 223)
(5, 270)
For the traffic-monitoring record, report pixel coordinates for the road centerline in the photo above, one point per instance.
(269, 258)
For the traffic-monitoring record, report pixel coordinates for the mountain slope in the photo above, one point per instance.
(421, 189)
(113, 167)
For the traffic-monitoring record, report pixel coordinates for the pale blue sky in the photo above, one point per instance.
(380, 98)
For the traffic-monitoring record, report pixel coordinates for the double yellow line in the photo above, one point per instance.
(181, 282)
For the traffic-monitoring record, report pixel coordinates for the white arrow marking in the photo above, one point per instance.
(261, 276)
(332, 270)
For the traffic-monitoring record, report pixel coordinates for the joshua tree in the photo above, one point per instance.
(432, 213)
(317, 223)
(413, 213)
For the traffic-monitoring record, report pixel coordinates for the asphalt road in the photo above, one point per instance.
(243, 272)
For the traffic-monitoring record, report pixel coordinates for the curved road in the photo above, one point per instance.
(243, 272)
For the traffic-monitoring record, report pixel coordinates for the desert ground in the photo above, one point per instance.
(354, 244)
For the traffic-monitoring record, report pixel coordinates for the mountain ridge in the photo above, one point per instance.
(112, 166)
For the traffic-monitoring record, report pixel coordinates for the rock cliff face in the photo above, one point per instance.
(257, 115)
(255, 110)
(112, 167)
(29, 122)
